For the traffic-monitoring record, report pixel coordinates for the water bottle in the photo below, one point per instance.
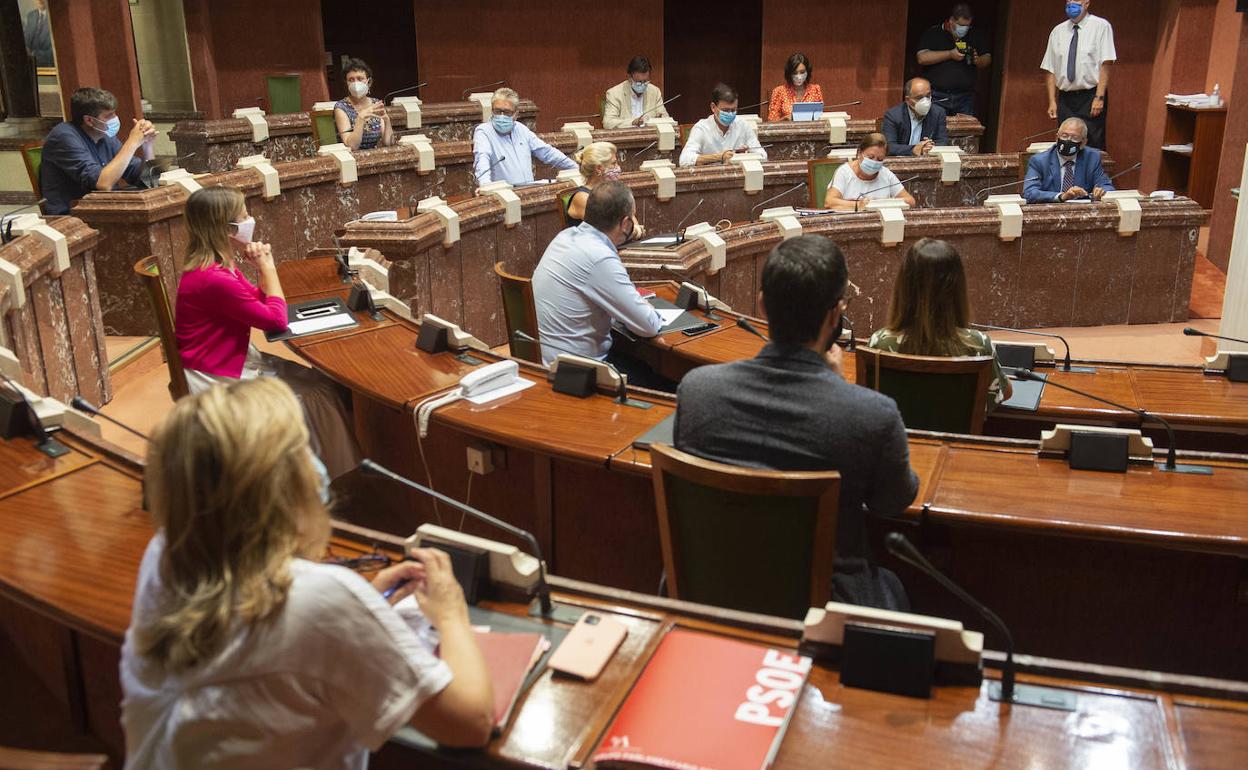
(1216, 99)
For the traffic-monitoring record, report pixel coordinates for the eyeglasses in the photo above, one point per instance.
(504, 113)
(369, 562)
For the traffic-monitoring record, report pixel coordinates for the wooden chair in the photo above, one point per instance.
(324, 129)
(32, 156)
(285, 94)
(520, 312)
(819, 173)
(149, 273)
(946, 394)
(746, 539)
(24, 759)
(685, 128)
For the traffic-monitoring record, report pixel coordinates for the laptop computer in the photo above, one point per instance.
(806, 111)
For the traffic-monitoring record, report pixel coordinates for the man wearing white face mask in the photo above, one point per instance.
(85, 153)
(916, 125)
(634, 101)
(715, 139)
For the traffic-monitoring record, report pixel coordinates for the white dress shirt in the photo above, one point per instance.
(638, 102)
(1096, 46)
(852, 188)
(706, 138)
(516, 149)
(329, 675)
(579, 287)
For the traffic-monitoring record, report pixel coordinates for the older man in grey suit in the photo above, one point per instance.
(790, 409)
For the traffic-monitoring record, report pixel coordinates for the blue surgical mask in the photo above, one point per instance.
(1073, 10)
(111, 127)
(639, 88)
(503, 123)
(960, 30)
(726, 117)
(870, 165)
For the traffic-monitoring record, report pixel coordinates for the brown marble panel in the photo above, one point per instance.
(1046, 268)
(125, 306)
(1102, 285)
(25, 337)
(481, 308)
(1163, 275)
(446, 285)
(737, 284)
(83, 334)
(101, 352)
(55, 350)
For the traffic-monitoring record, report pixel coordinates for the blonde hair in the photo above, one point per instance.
(507, 94)
(594, 156)
(231, 482)
(209, 212)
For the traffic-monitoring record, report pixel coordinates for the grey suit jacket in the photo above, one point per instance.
(617, 111)
(786, 410)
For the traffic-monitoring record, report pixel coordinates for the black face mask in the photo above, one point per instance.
(1067, 147)
(632, 230)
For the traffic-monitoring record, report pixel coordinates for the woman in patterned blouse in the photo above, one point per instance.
(797, 88)
(361, 120)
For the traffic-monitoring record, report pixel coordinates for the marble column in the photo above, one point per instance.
(17, 78)
(1235, 300)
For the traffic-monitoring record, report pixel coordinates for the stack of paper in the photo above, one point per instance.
(1190, 100)
(1185, 149)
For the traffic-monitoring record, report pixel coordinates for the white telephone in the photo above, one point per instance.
(488, 378)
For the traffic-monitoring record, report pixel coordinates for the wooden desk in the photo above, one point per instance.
(86, 522)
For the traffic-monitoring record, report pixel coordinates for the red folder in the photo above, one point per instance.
(706, 702)
(509, 658)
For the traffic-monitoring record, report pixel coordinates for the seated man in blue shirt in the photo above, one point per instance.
(580, 286)
(789, 409)
(85, 153)
(504, 148)
(916, 125)
(1067, 170)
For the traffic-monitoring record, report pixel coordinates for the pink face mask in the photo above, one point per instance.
(612, 174)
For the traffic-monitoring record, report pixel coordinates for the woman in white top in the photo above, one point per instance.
(243, 650)
(864, 178)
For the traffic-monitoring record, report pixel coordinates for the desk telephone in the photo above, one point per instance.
(488, 378)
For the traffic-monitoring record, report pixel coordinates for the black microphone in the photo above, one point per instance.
(797, 186)
(543, 590)
(901, 182)
(903, 549)
(12, 215)
(1015, 183)
(680, 233)
(1169, 465)
(345, 272)
(664, 104)
(686, 278)
(416, 87)
(621, 395)
(1126, 171)
(644, 149)
(83, 405)
(46, 444)
(1038, 133)
(471, 89)
(1066, 367)
(1190, 332)
(577, 117)
(749, 327)
(490, 168)
(752, 106)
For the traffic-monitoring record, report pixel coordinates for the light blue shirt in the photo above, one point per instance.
(916, 127)
(516, 149)
(579, 287)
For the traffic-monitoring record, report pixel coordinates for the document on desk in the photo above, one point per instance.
(1026, 396)
(659, 240)
(674, 319)
(313, 317)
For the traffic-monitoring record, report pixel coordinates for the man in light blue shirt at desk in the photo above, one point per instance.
(504, 148)
(580, 286)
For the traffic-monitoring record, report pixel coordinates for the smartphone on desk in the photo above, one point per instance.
(588, 647)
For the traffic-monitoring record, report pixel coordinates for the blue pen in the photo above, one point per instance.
(392, 590)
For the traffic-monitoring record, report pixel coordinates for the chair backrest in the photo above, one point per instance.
(685, 128)
(947, 394)
(747, 539)
(284, 93)
(565, 199)
(819, 173)
(324, 129)
(32, 156)
(149, 273)
(520, 312)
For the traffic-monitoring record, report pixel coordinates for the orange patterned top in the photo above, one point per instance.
(783, 96)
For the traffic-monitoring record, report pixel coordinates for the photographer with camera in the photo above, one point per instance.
(952, 53)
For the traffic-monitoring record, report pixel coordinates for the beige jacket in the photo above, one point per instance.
(618, 110)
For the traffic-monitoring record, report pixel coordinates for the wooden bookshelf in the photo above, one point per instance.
(1192, 174)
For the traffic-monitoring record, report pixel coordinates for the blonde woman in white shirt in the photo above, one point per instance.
(243, 650)
(865, 178)
(716, 138)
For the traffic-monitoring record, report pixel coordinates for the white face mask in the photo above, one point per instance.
(358, 88)
(243, 231)
(922, 106)
(799, 78)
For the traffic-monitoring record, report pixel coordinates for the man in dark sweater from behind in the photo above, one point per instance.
(790, 409)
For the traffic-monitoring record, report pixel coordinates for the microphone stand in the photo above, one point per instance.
(10, 217)
(680, 233)
(621, 394)
(1066, 367)
(83, 405)
(900, 182)
(45, 444)
(1190, 332)
(471, 89)
(417, 87)
(749, 327)
(795, 187)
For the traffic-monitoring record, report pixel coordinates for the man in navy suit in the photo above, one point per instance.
(1067, 170)
(916, 125)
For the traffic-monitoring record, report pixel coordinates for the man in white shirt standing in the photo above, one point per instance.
(504, 148)
(715, 139)
(1076, 64)
(634, 101)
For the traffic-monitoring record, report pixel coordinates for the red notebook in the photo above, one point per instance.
(509, 659)
(706, 702)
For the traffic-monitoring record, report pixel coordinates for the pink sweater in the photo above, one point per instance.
(214, 315)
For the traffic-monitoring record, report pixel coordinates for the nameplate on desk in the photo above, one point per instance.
(313, 317)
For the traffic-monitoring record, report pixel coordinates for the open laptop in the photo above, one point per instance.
(807, 111)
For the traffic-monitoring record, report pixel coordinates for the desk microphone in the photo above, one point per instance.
(1190, 332)
(46, 444)
(752, 106)
(1038, 133)
(489, 168)
(646, 148)
(664, 104)
(752, 329)
(794, 188)
(543, 590)
(975, 197)
(901, 182)
(1168, 465)
(686, 278)
(680, 233)
(1066, 367)
(842, 104)
(416, 87)
(83, 405)
(621, 395)
(903, 549)
(577, 117)
(342, 256)
(1126, 170)
(12, 215)
(471, 89)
